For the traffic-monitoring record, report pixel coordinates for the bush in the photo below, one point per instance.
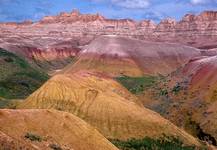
(33, 137)
(55, 147)
(164, 143)
(163, 92)
(137, 85)
(177, 88)
(8, 59)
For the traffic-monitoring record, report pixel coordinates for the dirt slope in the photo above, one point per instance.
(51, 127)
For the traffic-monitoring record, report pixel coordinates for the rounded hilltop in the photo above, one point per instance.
(117, 55)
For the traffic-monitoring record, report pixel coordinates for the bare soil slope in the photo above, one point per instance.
(46, 129)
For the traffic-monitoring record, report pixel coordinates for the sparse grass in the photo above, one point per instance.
(137, 85)
(164, 143)
(33, 137)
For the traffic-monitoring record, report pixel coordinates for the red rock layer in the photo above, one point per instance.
(50, 58)
(202, 72)
(115, 55)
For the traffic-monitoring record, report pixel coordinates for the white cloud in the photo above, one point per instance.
(199, 2)
(132, 4)
(196, 2)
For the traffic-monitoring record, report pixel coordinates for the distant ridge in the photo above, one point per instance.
(195, 30)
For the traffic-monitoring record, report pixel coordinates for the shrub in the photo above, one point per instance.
(177, 88)
(163, 143)
(55, 147)
(33, 137)
(137, 85)
(163, 92)
(8, 59)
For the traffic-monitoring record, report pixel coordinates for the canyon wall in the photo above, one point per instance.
(198, 31)
(66, 32)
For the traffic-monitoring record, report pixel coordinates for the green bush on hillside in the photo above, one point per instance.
(137, 85)
(33, 137)
(164, 143)
(177, 88)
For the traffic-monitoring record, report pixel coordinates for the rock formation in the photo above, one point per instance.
(199, 31)
(68, 31)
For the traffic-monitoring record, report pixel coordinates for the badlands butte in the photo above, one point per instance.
(83, 82)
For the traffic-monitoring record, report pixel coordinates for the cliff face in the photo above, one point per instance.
(198, 31)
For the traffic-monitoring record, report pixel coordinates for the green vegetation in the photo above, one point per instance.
(177, 88)
(164, 143)
(137, 85)
(18, 78)
(33, 137)
(163, 92)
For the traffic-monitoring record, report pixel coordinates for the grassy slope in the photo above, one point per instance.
(17, 78)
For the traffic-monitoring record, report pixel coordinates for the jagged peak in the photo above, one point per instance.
(75, 12)
(168, 20)
(208, 15)
(145, 23)
(188, 17)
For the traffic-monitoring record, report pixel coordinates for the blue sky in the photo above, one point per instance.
(19, 10)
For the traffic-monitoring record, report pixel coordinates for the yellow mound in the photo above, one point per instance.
(100, 102)
(53, 128)
(115, 55)
(107, 65)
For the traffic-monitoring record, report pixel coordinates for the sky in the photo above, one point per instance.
(20, 10)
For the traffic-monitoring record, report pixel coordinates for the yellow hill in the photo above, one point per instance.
(102, 102)
(44, 129)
